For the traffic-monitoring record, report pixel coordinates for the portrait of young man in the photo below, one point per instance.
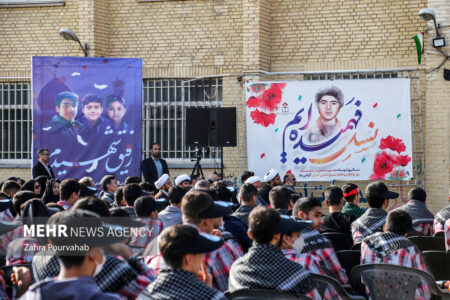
(329, 101)
(64, 123)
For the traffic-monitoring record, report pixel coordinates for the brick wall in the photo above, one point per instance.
(205, 37)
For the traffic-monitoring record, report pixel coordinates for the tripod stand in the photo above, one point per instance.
(197, 170)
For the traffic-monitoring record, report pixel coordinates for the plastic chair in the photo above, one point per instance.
(323, 282)
(356, 246)
(394, 282)
(340, 241)
(439, 234)
(263, 295)
(428, 243)
(437, 263)
(349, 259)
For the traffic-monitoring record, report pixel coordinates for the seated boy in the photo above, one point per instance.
(183, 248)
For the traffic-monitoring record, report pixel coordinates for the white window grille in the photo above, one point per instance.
(15, 122)
(164, 114)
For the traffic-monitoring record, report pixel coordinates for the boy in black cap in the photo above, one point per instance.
(260, 267)
(200, 211)
(373, 219)
(81, 258)
(183, 248)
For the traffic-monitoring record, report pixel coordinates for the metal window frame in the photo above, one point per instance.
(29, 3)
(412, 73)
(203, 92)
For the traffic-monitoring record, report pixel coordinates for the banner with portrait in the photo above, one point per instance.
(87, 112)
(330, 130)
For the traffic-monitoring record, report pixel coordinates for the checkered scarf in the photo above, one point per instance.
(243, 212)
(284, 211)
(114, 275)
(370, 222)
(227, 236)
(443, 215)
(173, 283)
(260, 269)
(418, 212)
(382, 243)
(313, 239)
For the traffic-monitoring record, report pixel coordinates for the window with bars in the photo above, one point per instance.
(15, 121)
(164, 113)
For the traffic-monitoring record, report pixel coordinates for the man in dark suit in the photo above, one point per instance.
(154, 166)
(41, 167)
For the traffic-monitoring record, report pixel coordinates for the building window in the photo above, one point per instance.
(164, 114)
(15, 121)
(26, 3)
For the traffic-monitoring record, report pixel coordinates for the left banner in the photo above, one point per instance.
(87, 112)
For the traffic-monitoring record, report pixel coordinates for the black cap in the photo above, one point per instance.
(87, 191)
(382, 190)
(200, 242)
(216, 210)
(289, 225)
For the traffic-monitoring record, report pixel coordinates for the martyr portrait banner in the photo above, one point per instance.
(330, 130)
(87, 112)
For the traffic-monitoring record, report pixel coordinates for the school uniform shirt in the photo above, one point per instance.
(422, 218)
(391, 248)
(174, 283)
(370, 222)
(141, 236)
(66, 205)
(312, 265)
(218, 262)
(441, 217)
(320, 247)
(265, 267)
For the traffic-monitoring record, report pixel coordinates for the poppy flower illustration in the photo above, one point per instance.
(264, 119)
(253, 102)
(402, 160)
(392, 143)
(383, 164)
(271, 98)
(397, 174)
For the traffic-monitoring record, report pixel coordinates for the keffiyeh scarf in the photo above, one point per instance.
(418, 212)
(173, 283)
(313, 239)
(443, 215)
(370, 222)
(382, 243)
(260, 269)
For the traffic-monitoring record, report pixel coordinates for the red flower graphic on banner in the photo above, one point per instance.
(402, 160)
(392, 143)
(266, 101)
(397, 174)
(264, 119)
(254, 102)
(383, 164)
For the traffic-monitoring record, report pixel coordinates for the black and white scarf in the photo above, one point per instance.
(260, 268)
(443, 215)
(313, 239)
(243, 212)
(370, 222)
(418, 211)
(382, 243)
(173, 283)
(284, 211)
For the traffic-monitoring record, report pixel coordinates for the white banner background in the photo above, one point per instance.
(283, 130)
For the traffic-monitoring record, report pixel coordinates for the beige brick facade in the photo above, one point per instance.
(206, 37)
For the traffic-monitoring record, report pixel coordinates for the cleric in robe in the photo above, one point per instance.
(329, 101)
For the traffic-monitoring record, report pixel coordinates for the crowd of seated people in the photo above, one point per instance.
(202, 241)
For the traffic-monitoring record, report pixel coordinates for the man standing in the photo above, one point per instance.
(273, 179)
(154, 166)
(41, 167)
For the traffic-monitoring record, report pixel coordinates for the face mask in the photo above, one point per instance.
(99, 267)
(298, 244)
